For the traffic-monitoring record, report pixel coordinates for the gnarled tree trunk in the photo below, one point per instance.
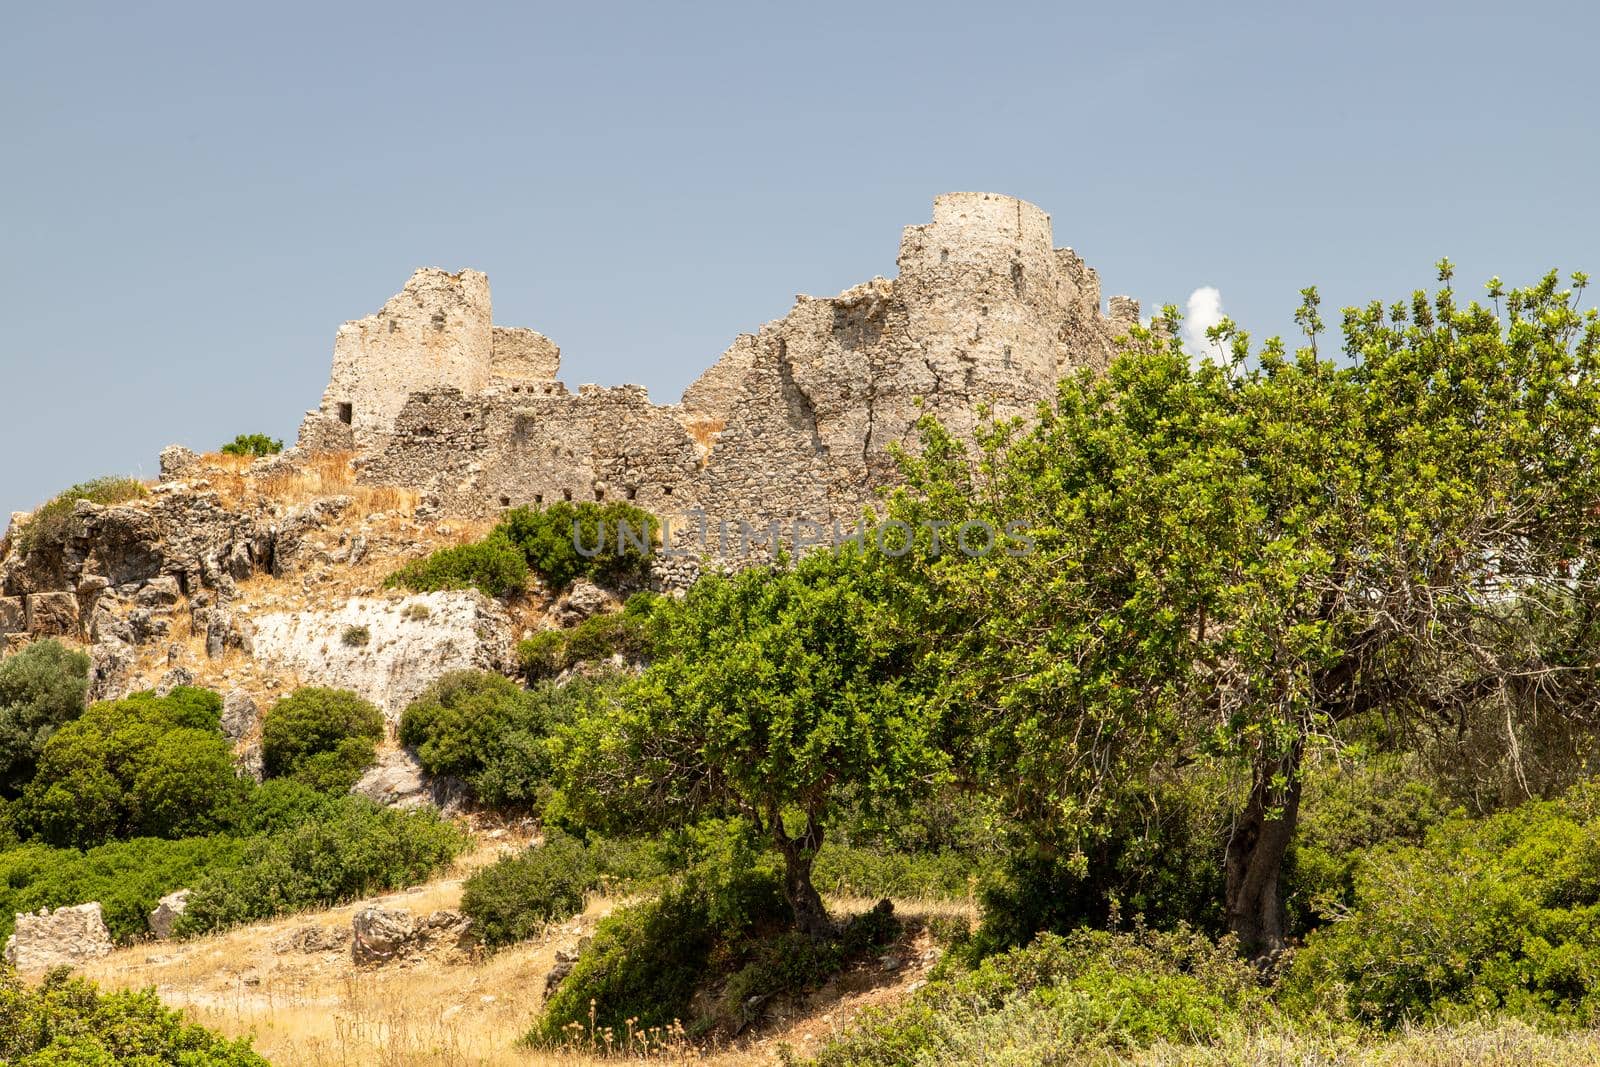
(799, 853)
(1256, 852)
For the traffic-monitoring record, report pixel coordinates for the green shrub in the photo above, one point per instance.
(544, 655)
(322, 737)
(144, 766)
(51, 520)
(513, 899)
(861, 872)
(128, 878)
(67, 1021)
(792, 962)
(631, 633)
(1088, 991)
(491, 733)
(355, 636)
(494, 567)
(1494, 914)
(252, 444)
(41, 687)
(608, 534)
(353, 848)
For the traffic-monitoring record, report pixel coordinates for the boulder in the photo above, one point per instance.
(60, 938)
(52, 614)
(583, 600)
(378, 935)
(168, 908)
(239, 715)
(313, 939)
(110, 667)
(175, 461)
(13, 615)
(397, 780)
(159, 592)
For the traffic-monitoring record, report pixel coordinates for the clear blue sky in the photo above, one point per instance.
(195, 196)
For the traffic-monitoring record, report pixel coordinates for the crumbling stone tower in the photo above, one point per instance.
(794, 422)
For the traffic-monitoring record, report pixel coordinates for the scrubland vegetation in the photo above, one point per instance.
(1276, 747)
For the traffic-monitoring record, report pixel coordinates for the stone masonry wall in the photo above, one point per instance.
(794, 422)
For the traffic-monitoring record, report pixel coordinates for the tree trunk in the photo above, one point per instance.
(799, 853)
(1255, 856)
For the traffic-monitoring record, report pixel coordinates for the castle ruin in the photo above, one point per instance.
(793, 423)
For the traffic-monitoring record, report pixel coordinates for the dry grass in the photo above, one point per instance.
(312, 477)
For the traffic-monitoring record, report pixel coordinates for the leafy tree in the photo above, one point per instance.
(566, 541)
(252, 444)
(771, 690)
(41, 687)
(1230, 557)
(322, 737)
(144, 766)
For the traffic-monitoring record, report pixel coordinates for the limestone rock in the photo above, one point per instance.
(159, 592)
(110, 667)
(176, 461)
(583, 600)
(52, 614)
(239, 715)
(168, 908)
(313, 939)
(397, 780)
(402, 654)
(13, 615)
(380, 934)
(59, 938)
(174, 678)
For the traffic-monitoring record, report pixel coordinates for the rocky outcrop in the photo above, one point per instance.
(397, 780)
(60, 938)
(165, 916)
(381, 935)
(402, 647)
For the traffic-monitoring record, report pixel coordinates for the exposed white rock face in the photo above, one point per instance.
(388, 651)
(58, 938)
(397, 780)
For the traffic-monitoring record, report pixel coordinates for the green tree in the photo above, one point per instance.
(41, 687)
(1230, 557)
(771, 690)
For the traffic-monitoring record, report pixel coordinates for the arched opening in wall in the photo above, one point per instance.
(347, 413)
(599, 494)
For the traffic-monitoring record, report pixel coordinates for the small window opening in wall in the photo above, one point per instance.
(505, 502)
(633, 492)
(599, 494)
(347, 413)
(566, 494)
(1007, 356)
(944, 255)
(516, 388)
(1016, 276)
(538, 498)
(667, 490)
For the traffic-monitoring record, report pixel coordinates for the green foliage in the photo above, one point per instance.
(41, 687)
(67, 1021)
(1224, 559)
(490, 732)
(632, 633)
(792, 962)
(772, 690)
(513, 899)
(252, 444)
(565, 542)
(1495, 914)
(1091, 991)
(322, 737)
(128, 878)
(493, 566)
(864, 872)
(145, 766)
(49, 523)
(355, 636)
(352, 848)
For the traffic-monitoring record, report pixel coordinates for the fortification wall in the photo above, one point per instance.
(794, 423)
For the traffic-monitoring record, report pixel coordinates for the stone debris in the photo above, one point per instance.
(380, 935)
(60, 938)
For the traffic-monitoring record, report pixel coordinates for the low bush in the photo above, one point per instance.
(1495, 914)
(861, 872)
(494, 567)
(1088, 991)
(630, 633)
(489, 732)
(515, 898)
(49, 523)
(322, 737)
(565, 541)
(128, 878)
(144, 766)
(355, 637)
(252, 444)
(67, 1020)
(353, 848)
(41, 688)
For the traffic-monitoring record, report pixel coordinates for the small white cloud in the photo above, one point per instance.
(1203, 312)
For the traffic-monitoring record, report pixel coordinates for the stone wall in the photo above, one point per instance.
(794, 423)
